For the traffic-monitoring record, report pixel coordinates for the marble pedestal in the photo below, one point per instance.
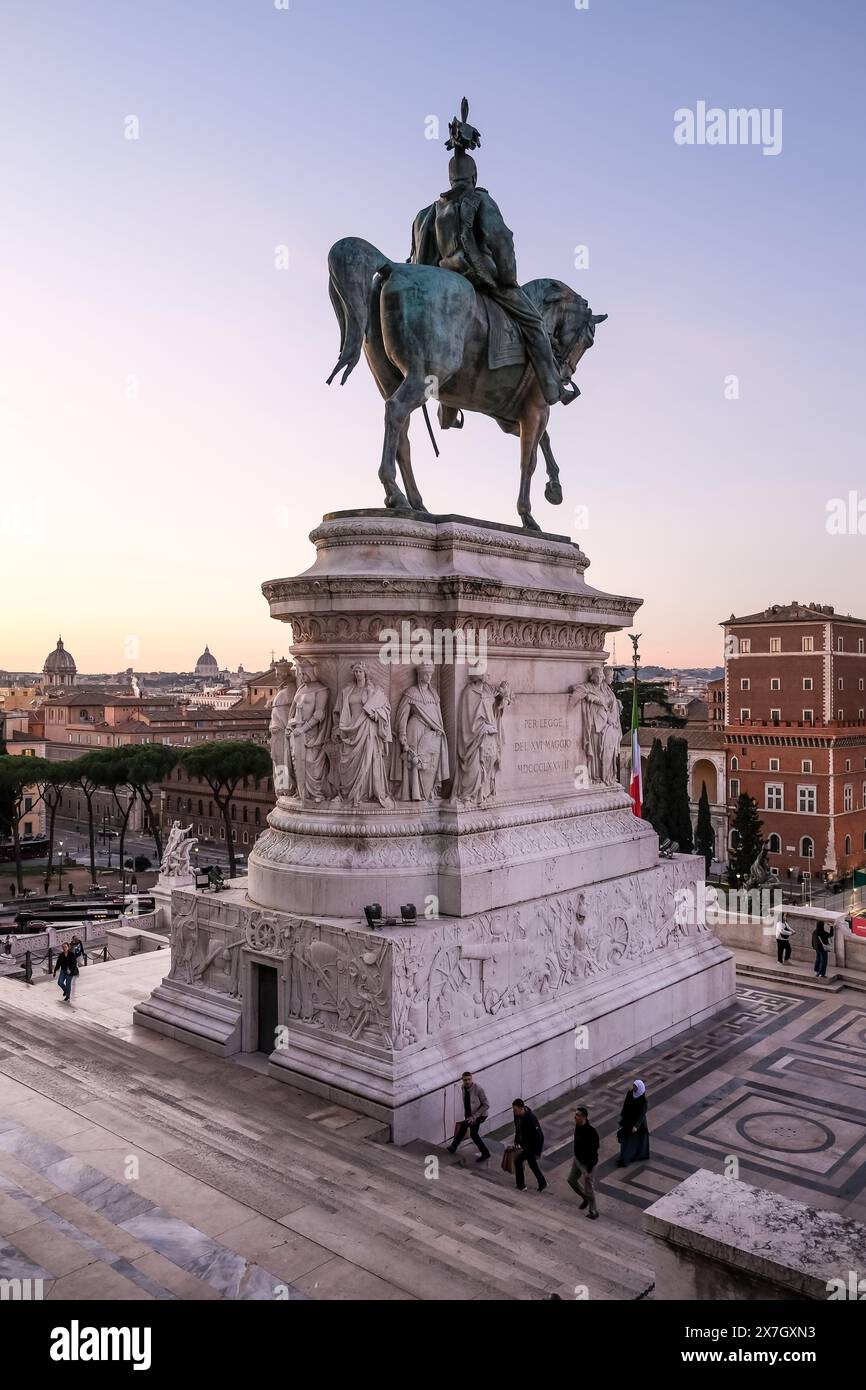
(547, 945)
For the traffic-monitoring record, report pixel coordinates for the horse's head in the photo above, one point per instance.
(567, 318)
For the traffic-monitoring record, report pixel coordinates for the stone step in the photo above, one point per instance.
(781, 974)
(296, 1158)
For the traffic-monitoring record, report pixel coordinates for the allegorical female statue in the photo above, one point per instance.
(307, 730)
(419, 763)
(362, 730)
(281, 707)
(479, 737)
(602, 729)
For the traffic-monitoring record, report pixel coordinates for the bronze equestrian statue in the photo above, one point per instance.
(431, 327)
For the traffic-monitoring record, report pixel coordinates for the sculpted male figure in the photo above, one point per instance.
(465, 231)
(362, 729)
(479, 737)
(307, 731)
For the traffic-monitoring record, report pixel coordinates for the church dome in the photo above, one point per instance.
(59, 667)
(207, 664)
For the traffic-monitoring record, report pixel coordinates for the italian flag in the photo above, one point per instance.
(636, 786)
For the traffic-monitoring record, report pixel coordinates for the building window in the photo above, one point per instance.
(806, 765)
(201, 808)
(807, 848)
(773, 797)
(735, 763)
(222, 832)
(806, 800)
(808, 716)
(847, 764)
(848, 797)
(860, 683)
(776, 715)
(847, 844)
(840, 685)
(860, 646)
(808, 644)
(745, 714)
(774, 844)
(745, 645)
(735, 788)
(774, 764)
(775, 644)
(840, 716)
(745, 683)
(807, 682)
(775, 683)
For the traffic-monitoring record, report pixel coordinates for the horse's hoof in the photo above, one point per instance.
(396, 500)
(553, 493)
(529, 522)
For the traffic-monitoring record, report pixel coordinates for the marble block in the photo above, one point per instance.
(448, 740)
(717, 1238)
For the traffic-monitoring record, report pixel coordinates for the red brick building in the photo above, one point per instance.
(716, 705)
(795, 732)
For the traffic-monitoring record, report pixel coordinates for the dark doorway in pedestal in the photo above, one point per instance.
(266, 991)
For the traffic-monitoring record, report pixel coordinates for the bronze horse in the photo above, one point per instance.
(424, 332)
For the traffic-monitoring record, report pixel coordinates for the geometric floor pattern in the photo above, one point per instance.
(773, 1089)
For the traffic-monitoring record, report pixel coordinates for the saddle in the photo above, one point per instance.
(505, 348)
(505, 345)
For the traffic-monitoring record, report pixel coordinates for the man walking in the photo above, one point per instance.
(66, 968)
(529, 1143)
(475, 1112)
(821, 938)
(583, 1164)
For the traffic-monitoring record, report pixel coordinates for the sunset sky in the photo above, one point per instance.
(166, 434)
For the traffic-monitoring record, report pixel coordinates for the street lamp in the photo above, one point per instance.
(60, 884)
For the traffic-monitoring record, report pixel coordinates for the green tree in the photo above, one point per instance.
(705, 836)
(86, 774)
(224, 764)
(748, 838)
(52, 784)
(148, 765)
(678, 813)
(655, 791)
(116, 774)
(17, 773)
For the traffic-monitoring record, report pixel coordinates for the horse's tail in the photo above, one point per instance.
(352, 264)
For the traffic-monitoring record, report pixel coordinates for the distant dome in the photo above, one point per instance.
(59, 667)
(207, 664)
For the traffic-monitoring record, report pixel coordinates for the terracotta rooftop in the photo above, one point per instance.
(794, 613)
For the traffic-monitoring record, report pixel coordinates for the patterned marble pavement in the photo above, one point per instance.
(773, 1089)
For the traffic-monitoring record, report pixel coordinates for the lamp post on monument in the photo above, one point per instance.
(636, 783)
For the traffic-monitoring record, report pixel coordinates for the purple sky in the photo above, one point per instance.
(167, 436)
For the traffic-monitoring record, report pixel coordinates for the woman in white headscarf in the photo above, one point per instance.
(633, 1133)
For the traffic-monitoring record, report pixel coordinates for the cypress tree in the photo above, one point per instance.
(748, 837)
(705, 837)
(679, 816)
(655, 791)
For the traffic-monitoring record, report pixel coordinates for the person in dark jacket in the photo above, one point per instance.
(529, 1143)
(66, 968)
(473, 1100)
(633, 1133)
(584, 1161)
(821, 938)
